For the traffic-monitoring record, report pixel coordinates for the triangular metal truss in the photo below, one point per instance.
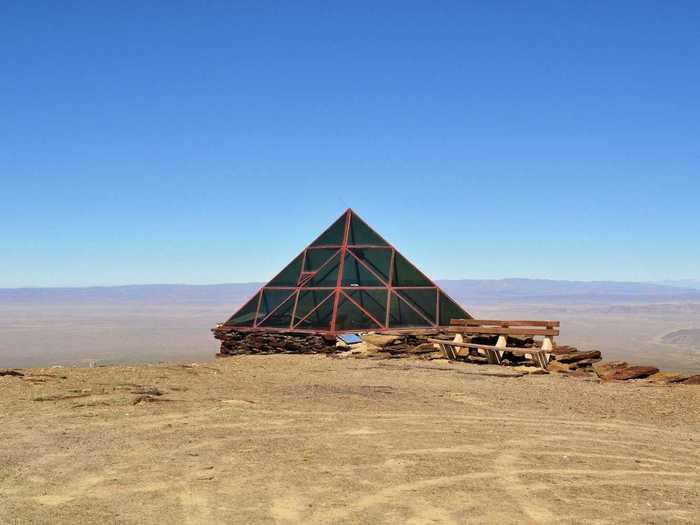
(348, 280)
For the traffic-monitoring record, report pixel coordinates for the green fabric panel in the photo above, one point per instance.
(282, 318)
(321, 318)
(315, 258)
(379, 259)
(271, 299)
(349, 317)
(405, 274)
(290, 275)
(374, 301)
(328, 275)
(356, 274)
(333, 235)
(360, 233)
(450, 310)
(308, 300)
(423, 300)
(245, 316)
(403, 316)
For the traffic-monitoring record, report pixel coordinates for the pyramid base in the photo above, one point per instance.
(236, 342)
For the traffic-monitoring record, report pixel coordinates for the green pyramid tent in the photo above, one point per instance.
(348, 280)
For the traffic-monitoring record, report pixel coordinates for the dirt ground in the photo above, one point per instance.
(312, 439)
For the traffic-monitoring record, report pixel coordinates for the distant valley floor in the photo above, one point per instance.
(42, 335)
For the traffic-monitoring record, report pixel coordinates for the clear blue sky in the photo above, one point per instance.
(203, 142)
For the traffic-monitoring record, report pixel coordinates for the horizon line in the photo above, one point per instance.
(662, 282)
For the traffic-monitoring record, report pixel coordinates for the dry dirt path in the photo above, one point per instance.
(307, 439)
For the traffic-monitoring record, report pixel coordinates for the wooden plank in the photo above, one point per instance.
(448, 349)
(511, 349)
(502, 331)
(494, 357)
(502, 323)
(493, 353)
(541, 359)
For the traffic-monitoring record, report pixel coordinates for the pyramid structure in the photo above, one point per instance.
(348, 280)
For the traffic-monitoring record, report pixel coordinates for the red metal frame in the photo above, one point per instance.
(343, 251)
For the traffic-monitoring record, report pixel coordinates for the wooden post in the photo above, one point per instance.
(498, 354)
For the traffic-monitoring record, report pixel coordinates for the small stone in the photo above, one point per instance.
(560, 350)
(606, 369)
(561, 368)
(667, 377)
(423, 348)
(532, 370)
(585, 363)
(692, 380)
(583, 373)
(578, 356)
(632, 372)
(380, 340)
(365, 348)
(147, 391)
(13, 373)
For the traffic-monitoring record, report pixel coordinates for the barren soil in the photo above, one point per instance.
(312, 439)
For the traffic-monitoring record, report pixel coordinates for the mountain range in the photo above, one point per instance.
(465, 291)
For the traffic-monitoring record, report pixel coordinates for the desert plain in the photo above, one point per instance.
(316, 439)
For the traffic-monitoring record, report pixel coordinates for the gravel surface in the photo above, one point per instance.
(312, 439)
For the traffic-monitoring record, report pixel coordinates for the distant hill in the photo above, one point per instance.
(683, 283)
(550, 291)
(689, 337)
(465, 291)
(234, 293)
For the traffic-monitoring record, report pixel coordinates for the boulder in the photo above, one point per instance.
(396, 349)
(532, 370)
(583, 372)
(561, 368)
(606, 369)
(577, 356)
(585, 363)
(13, 373)
(364, 348)
(380, 340)
(235, 342)
(666, 377)
(692, 380)
(559, 350)
(632, 372)
(423, 348)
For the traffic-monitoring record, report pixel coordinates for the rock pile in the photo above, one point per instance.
(235, 342)
(565, 359)
(621, 371)
(393, 346)
(12, 373)
(569, 360)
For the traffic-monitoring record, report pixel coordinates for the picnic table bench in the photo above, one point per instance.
(494, 353)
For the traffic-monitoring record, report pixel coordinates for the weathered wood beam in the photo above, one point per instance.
(467, 330)
(502, 323)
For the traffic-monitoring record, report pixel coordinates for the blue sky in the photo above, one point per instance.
(203, 142)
